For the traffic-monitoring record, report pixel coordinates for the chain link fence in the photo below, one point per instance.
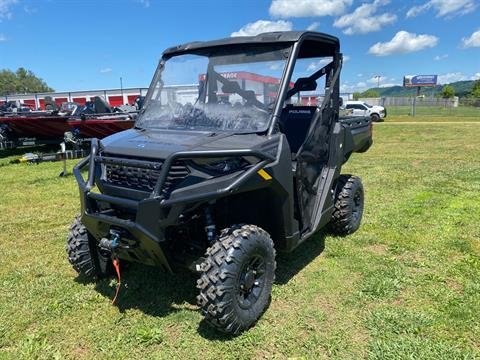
(468, 107)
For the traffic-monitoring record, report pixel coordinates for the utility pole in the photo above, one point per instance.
(414, 110)
(378, 77)
(121, 89)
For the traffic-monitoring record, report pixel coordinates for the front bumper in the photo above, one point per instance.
(143, 230)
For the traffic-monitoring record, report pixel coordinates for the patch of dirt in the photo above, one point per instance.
(80, 352)
(378, 249)
(454, 285)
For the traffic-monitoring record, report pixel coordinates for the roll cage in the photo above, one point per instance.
(300, 45)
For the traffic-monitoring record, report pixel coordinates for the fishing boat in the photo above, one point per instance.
(96, 119)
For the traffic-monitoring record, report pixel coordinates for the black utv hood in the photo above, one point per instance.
(159, 144)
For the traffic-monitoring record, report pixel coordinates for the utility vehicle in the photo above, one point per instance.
(221, 184)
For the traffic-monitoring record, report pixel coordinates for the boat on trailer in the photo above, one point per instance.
(98, 119)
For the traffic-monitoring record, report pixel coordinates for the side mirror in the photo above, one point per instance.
(305, 84)
(231, 87)
(340, 101)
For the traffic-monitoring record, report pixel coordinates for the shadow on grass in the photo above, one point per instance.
(26, 149)
(156, 293)
(149, 290)
(289, 264)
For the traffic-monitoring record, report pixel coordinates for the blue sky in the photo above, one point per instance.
(90, 44)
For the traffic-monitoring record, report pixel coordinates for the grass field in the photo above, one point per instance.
(460, 111)
(406, 285)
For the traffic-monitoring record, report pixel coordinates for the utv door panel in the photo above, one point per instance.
(315, 169)
(312, 159)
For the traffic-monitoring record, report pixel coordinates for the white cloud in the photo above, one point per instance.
(447, 8)
(308, 8)
(402, 43)
(451, 77)
(374, 80)
(472, 41)
(145, 3)
(274, 66)
(364, 85)
(360, 75)
(262, 26)
(3, 38)
(5, 8)
(456, 76)
(314, 65)
(29, 9)
(318, 64)
(313, 26)
(365, 19)
(350, 88)
(440, 57)
(105, 70)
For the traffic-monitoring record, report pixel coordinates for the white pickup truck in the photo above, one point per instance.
(360, 108)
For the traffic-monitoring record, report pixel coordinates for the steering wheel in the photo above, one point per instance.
(245, 121)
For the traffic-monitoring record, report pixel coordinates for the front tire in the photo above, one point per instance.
(236, 279)
(375, 118)
(83, 253)
(349, 203)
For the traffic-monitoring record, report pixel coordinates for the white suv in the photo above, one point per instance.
(360, 108)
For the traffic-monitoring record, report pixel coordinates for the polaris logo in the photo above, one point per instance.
(299, 112)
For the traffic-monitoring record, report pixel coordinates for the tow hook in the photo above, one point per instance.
(110, 244)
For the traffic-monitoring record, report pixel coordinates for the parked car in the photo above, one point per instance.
(360, 108)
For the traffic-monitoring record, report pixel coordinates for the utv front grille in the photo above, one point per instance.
(140, 174)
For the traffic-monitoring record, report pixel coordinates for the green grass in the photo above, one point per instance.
(431, 119)
(406, 285)
(421, 110)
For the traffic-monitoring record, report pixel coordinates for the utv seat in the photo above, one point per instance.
(294, 123)
(101, 106)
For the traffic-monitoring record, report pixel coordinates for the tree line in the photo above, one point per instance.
(21, 81)
(447, 92)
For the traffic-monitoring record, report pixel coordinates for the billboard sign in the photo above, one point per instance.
(420, 80)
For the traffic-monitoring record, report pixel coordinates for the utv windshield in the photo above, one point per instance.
(219, 89)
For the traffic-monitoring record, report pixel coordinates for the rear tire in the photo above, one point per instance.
(349, 202)
(236, 279)
(83, 253)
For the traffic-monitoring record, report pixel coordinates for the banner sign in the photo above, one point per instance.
(420, 80)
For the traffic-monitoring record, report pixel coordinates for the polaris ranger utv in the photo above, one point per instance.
(220, 174)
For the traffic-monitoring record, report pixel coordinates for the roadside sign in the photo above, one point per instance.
(420, 80)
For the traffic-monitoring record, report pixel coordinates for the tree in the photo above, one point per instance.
(371, 93)
(476, 89)
(21, 81)
(448, 92)
(356, 95)
(8, 82)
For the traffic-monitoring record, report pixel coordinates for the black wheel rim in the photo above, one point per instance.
(251, 281)
(357, 205)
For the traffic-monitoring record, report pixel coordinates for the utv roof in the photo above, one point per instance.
(265, 38)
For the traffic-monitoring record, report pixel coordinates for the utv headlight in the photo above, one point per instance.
(222, 166)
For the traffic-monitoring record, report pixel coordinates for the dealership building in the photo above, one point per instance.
(265, 88)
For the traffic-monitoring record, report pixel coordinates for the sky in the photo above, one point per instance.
(90, 44)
